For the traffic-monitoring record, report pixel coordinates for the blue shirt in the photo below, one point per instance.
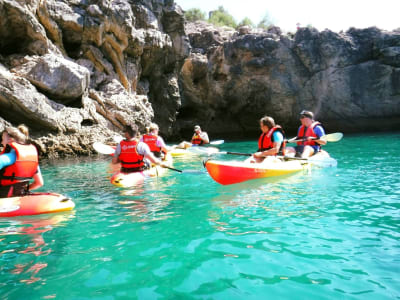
(7, 159)
(277, 137)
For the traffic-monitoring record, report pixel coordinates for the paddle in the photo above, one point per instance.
(332, 137)
(173, 169)
(103, 148)
(217, 142)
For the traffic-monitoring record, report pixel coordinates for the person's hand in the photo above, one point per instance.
(163, 164)
(258, 155)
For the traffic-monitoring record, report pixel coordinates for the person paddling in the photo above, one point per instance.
(155, 142)
(271, 141)
(309, 134)
(19, 163)
(132, 154)
(199, 138)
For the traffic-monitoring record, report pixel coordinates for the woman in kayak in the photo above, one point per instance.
(199, 138)
(19, 163)
(155, 142)
(309, 135)
(132, 153)
(271, 141)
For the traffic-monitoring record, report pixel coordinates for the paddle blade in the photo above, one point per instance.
(103, 149)
(333, 137)
(218, 142)
(117, 138)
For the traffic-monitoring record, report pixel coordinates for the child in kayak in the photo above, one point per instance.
(155, 142)
(19, 163)
(132, 154)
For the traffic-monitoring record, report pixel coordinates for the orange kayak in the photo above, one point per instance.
(230, 172)
(34, 204)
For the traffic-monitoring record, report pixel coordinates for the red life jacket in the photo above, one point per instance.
(151, 140)
(25, 165)
(130, 159)
(306, 132)
(266, 140)
(196, 140)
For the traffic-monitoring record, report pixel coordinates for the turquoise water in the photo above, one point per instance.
(329, 234)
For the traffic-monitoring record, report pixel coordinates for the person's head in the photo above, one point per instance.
(130, 131)
(24, 129)
(306, 117)
(12, 134)
(266, 123)
(153, 128)
(197, 129)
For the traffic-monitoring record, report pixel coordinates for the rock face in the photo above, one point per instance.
(350, 80)
(76, 72)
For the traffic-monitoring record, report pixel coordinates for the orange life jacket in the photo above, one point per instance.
(130, 159)
(307, 132)
(25, 165)
(266, 140)
(196, 140)
(151, 141)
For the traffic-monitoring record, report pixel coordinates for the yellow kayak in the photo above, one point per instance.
(122, 179)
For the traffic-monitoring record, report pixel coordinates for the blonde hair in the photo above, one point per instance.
(151, 127)
(15, 133)
(24, 129)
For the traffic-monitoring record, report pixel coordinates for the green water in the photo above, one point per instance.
(329, 234)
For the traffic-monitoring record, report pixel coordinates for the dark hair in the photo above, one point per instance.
(267, 121)
(307, 114)
(131, 130)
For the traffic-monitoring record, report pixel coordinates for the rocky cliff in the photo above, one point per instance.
(76, 71)
(351, 80)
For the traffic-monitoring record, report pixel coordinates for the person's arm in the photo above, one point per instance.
(160, 143)
(37, 180)
(319, 131)
(117, 152)
(7, 159)
(143, 149)
(204, 137)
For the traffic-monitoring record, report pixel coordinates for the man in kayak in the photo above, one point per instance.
(308, 137)
(19, 163)
(155, 142)
(199, 138)
(271, 141)
(132, 153)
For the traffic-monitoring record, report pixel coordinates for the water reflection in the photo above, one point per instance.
(24, 238)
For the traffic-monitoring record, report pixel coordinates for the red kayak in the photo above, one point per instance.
(34, 204)
(230, 172)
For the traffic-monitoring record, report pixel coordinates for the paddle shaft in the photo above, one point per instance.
(173, 169)
(332, 137)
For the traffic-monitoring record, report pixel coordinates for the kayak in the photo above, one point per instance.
(231, 172)
(34, 204)
(194, 150)
(122, 179)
